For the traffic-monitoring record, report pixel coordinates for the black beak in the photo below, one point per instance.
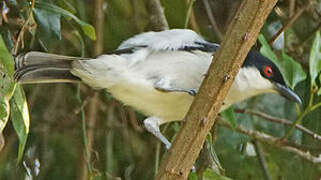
(287, 93)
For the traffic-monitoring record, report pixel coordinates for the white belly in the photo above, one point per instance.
(169, 106)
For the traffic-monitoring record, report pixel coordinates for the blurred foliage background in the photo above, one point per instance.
(79, 133)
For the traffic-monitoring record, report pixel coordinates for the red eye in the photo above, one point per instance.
(268, 71)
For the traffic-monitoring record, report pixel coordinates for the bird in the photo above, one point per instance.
(156, 73)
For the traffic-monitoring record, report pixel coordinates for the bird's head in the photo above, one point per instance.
(260, 75)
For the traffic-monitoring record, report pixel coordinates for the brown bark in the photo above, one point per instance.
(157, 17)
(240, 37)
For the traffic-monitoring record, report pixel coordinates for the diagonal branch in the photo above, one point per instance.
(157, 17)
(261, 158)
(212, 19)
(240, 37)
(290, 22)
(281, 121)
(273, 141)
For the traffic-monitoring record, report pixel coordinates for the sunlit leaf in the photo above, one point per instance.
(48, 22)
(229, 115)
(20, 118)
(294, 72)
(88, 29)
(7, 84)
(209, 174)
(4, 113)
(19, 110)
(315, 58)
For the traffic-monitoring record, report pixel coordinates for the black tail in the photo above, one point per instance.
(38, 67)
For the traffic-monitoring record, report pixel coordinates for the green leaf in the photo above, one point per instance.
(315, 58)
(192, 176)
(67, 6)
(7, 84)
(49, 22)
(88, 29)
(229, 115)
(19, 110)
(20, 118)
(294, 72)
(267, 51)
(6, 59)
(209, 174)
(4, 113)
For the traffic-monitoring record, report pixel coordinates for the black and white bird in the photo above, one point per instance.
(156, 73)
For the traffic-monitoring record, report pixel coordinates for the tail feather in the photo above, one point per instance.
(38, 67)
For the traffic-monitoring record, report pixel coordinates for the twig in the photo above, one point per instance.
(157, 157)
(2, 141)
(212, 19)
(291, 7)
(265, 138)
(189, 12)
(82, 106)
(281, 121)
(157, 17)
(110, 135)
(193, 22)
(289, 22)
(93, 102)
(261, 158)
(23, 29)
(99, 26)
(133, 120)
(86, 166)
(302, 115)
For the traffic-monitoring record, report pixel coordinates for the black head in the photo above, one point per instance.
(271, 72)
(266, 67)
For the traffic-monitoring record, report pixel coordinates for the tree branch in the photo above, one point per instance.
(261, 159)
(93, 102)
(276, 142)
(290, 22)
(157, 18)
(193, 22)
(240, 37)
(212, 19)
(281, 121)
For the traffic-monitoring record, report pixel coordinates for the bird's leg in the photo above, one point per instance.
(152, 125)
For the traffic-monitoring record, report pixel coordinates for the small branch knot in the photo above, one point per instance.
(245, 37)
(204, 119)
(226, 77)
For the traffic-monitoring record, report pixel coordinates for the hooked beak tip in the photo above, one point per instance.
(288, 93)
